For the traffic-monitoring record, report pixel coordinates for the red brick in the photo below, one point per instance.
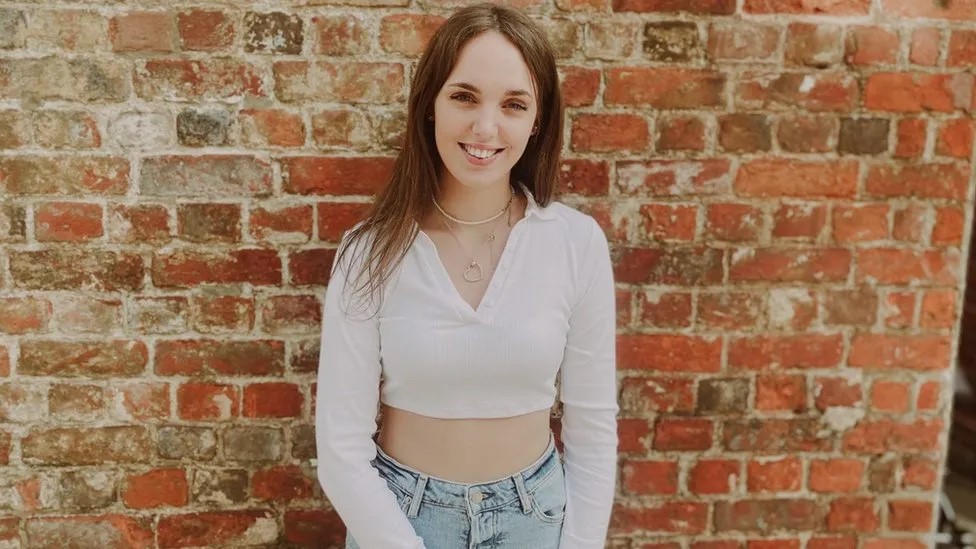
(222, 314)
(860, 222)
(680, 134)
(665, 310)
(836, 92)
(890, 396)
(145, 401)
(955, 138)
(650, 477)
(775, 436)
(234, 528)
(920, 473)
(836, 475)
(341, 35)
(911, 138)
(287, 224)
(579, 86)
(733, 222)
(214, 78)
(314, 526)
(938, 309)
(339, 82)
(683, 434)
(899, 309)
(929, 396)
(634, 434)
(205, 30)
(835, 542)
(773, 544)
(786, 352)
(142, 31)
(670, 221)
(910, 222)
(781, 393)
(962, 49)
(963, 11)
(669, 353)
(185, 269)
(949, 226)
(290, 314)
(675, 265)
(836, 391)
(81, 531)
(156, 488)
(781, 177)
(893, 543)
(910, 516)
(900, 266)
(210, 357)
(813, 44)
(872, 46)
(664, 88)
(913, 352)
(912, 92)
(335, 175)
(310, 267)
(805, 220)
(408, 34)
(609, 132)
(207, 401)
(277, 400)
(24, 315)
(274, 127)
(4, 362)
(678, 517)
(716, 545)
(792, 309)
(581, 177)
(877, 436)
(699, 7)
(851, 307)
(813, 7)
(774, 475)
(282, 484)
(853, 514)
(714, 476)
(138, 223)
(925, 46)
(947, 181)
(767, 515)
(101, 176)
(790, 265)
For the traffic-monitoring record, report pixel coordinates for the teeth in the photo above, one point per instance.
(480, 153)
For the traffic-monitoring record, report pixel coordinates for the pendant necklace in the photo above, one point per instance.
(474, 272)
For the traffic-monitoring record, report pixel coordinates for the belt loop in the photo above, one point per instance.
(418, 495)
(523, 494)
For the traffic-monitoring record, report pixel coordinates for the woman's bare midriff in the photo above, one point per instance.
(464, 450)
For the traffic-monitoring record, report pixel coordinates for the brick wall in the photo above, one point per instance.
(786, 185)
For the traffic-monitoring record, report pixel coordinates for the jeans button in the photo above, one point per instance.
(477, 496)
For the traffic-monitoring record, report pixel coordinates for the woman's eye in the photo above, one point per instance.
(518, 106)
(462, 97)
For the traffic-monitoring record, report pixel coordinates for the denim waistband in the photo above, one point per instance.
(479, 496)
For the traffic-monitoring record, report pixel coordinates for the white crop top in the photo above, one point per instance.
(549, 308)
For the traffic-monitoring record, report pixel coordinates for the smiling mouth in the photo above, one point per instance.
(479, 153)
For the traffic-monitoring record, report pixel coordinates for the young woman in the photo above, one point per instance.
(452, 308)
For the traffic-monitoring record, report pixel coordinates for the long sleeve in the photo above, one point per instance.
(345, 420)
(589, 398)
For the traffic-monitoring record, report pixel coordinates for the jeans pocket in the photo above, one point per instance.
(549, 498)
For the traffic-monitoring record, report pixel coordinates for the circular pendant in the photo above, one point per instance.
(473, 273)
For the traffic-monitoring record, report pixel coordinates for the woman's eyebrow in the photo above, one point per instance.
(473, 88)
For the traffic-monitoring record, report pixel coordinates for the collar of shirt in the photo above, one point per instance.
(532, 207)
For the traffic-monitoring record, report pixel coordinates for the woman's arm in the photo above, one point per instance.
(345, 420)
(588, 393)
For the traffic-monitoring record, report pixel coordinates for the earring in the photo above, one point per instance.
(535, 130)
(430, 117)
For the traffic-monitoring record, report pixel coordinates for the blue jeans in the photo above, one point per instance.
(524, 510)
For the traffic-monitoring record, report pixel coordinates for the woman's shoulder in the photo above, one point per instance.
(580, 227)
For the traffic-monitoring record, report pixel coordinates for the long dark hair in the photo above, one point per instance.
(392, 222)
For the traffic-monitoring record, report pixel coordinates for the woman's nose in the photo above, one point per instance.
(485, 124)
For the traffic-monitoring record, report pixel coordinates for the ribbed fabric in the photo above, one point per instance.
(549, 308)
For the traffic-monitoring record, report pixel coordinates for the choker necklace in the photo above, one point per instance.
(481, 222)
(474, 272)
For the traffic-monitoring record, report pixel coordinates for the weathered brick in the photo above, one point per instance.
(723, 396)
(277, 128)
(576, 176)
(768, 515)
(665, 309)
(853, 514)
(220, 486)
(781, 177)
(191, 443)
(222, 314)
(207, 401)
(775, 436)
(822, 91)
(790, 265)
(142, 31)
(813, 45)
(674, 177)
(291, 314)
(792, 309)
(57, 78)
(676, 41)
(699, 7)
(13, 29)
(66, 130)
(925, 46)
(579, 85)
(346, 82)
(24, 315)
(406, 34)
(311, 526)
(187, 79)
(781, 393)
(676, 353)
(646, 395)
(203, 128)
(88, 531)
(871, 46)
(310, 267)
(806, 134)
(955, 138)
(863, 136)
(205, 30)
(649, 477)
(207, 222)
(222, 175)
(733, 222)
(145, 402)
(185, 269)
(76, 269)
(813, 7)
(671, 265)
(610, 40)
(21, 403)
(860, 222)
(83, 446)
(228, 528)
(670, 516)
(71, 30)
(162, 315)
(341, 129)
(87, 489)
(680, 133)
(742, 40)
(267, 400)
(76, 402)
(283, 484)
(911, 92)
(889, 396)
(253, 444)
(911, 352)
(341, 35)
(669, 221)
(836, 475)
(947, 181)
(208, 357)
(714, 476)
(858, 307)
(118, 358)
(15, 129)
(88, 315)
(68, 222)
(786, 352)
(139, 223)
(961, 11)
(609, 133)
(774, 474)
(31, 175)
(274, 32)
(744, 133)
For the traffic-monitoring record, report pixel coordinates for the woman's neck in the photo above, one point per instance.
(470, 204)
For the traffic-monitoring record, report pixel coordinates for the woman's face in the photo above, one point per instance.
(483, 116)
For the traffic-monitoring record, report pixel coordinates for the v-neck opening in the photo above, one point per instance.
(488, 298)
